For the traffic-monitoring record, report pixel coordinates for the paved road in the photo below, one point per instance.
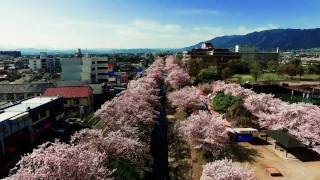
(159, 144)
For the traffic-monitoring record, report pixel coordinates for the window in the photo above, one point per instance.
(10, 96)
(20, 96)
(102, 62)
(76, 101)
(2, 97)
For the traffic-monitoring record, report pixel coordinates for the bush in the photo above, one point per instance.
(207, 75)
(222, 102)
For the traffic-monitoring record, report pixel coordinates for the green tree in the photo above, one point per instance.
(179, 57)
(226, 73)
(209, 74)
(194, 66)
(255, 70)
(273, 66)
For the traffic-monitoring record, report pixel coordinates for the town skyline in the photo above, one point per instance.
(143, 24)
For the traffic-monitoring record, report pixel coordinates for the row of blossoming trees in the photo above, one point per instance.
(120, 150)
(205, 130)
(300, 119)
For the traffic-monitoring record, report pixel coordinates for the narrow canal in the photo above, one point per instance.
(159, 143)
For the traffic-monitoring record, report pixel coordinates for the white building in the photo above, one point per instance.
(45, 63)
(86, 69)
(35, 64)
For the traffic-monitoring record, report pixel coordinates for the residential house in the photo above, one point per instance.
(75, 97)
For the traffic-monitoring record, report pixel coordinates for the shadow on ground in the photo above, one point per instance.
(240, 153)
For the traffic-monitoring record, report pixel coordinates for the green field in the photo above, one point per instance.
(273, 77)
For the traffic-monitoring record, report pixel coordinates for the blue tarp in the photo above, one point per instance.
(243, 137)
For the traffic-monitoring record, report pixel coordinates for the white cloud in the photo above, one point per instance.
(105, 34)
(156, 26)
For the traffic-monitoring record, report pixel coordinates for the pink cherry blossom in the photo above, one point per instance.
(301, 120)
(206, 130)
(62, 161)
(186, 98)
(226, 170)
(115, 145)
(177, 76)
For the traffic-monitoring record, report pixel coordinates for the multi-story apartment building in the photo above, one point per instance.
(50, 64)
(102, 68)
(86, 69)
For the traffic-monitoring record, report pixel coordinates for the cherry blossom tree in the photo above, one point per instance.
(226, 170)
(177, 76)
(232, 89)
(185, 98)
(171, 64)
(136, 106)
(301, 120)
(266, 108)
(127, 119)
(206, 130)
(127, 110)
(115, 145)
(62, 161)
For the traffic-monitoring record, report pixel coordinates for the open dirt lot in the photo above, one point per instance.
(292, 169)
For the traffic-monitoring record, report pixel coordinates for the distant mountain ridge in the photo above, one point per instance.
(98, 51)
(285, 39)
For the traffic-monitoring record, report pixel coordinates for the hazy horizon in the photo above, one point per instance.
(99, 24)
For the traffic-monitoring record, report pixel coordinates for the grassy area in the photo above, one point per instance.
(273, 77)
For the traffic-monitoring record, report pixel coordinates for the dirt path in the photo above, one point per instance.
(185, 161)
(179, 153)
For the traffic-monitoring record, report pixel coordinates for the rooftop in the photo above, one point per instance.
(20, 108)
(69, 92)
(284, 138)
(23, 88)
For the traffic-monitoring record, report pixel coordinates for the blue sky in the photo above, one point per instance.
(144, 23)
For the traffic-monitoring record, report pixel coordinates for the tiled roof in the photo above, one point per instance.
(69, 92)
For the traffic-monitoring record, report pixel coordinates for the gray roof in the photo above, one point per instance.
(284, 138)
(23, 88)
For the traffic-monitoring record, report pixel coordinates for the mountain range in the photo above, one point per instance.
(97, 51)
(285, 39)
